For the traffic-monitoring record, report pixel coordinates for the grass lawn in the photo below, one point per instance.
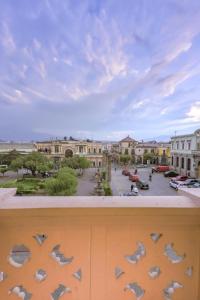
(26, 185)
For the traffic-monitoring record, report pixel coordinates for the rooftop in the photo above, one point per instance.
(127, 139)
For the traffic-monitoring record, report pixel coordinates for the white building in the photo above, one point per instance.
(23, 148)
(185, 154)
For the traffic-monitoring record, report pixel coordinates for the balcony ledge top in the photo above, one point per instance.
(8, 200)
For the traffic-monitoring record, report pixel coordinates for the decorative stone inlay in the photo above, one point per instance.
(40, 275)
(59, 257)
(78, 274)
(118, 272)
(3, 276)
(155, 237)
(170, 289)
(40, 238)
(189, 271)
(60, 291)
(154, 272)
(137, 255)
(21, 292)
(19, 255)
(135, 289)
(172, 254)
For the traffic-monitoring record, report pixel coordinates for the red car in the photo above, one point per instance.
(180, 178)
(134, 178)
(126, 172)
(161, 168)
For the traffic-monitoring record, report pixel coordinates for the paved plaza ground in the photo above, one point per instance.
(159, 186)
(86, 183)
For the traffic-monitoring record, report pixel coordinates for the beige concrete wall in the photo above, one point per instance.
(99, 232)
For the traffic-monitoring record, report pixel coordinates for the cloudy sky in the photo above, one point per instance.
(100, 69)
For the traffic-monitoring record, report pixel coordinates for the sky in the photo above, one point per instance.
(99, 69)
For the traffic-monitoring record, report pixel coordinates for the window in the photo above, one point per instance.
(172, 145)
(182, 144)
(182, 162)
(177, 145)
(89, 150)
(94, 150)
(56, 148)
(164, 152)
(126, 151)
(99, 150)
(172, 160)
(99, 164)
(198, 146)
(80, 149)
(189, 164)
(177, 161)
(189, 145)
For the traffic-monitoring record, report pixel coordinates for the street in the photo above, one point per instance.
(159, 186)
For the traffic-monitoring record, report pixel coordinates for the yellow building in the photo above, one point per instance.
(164, 153)
(59, 149)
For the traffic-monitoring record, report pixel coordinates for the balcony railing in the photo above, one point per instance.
(100, 248)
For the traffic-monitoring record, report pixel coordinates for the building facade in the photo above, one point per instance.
(159, 152)
(59, 149)
(127, 146)
(185, 154)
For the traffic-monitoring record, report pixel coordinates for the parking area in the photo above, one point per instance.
(159, 186)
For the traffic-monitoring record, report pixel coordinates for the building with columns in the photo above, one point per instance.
(185, 154)
(59, 149)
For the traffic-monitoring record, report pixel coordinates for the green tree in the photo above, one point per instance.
(17, 164)
(64, 184)
(3, 170)
(148, 156)
(9, 157)
(76, 162)
(125, 159)
(37, 162)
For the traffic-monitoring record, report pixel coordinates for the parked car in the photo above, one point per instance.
(161, 168)
(133, 178)
(126, 173)
(192, 182)
(171, 173)
(142, 185)
(176, 184)
(133, 193)
(180, 178)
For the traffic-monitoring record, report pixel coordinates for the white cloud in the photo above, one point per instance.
(14, 97)
(7, 39)
(194, 112)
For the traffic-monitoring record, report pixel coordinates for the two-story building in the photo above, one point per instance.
(59, 149)
(127, 146)
(185, 154)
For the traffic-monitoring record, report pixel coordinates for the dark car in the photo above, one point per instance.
(171, 173)
(142, 185)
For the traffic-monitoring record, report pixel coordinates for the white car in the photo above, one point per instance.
(176, 184)
(133, 193)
